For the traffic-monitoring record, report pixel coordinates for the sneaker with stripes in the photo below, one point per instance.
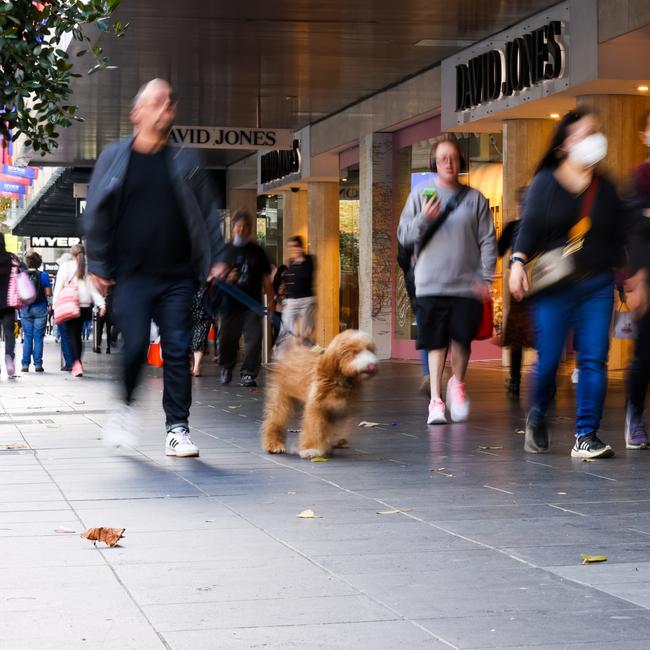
(591, 446)
(178, 443)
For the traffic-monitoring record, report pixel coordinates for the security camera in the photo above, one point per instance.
(295, 189)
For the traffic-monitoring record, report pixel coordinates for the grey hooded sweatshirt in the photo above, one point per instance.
(460, 253)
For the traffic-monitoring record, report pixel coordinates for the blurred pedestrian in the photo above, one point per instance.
(517, 331)
(154, 230)
(451, 230)
(573, 230)
(250, 271)
(299, 308)
(278, 282)
(9, 301)
(61, 328)
(73, 272)
(105, 322)
(201, 323)
(636, 297)
(34, 317)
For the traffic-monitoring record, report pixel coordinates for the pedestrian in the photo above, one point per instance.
(299, 308)
(574, 216)
(74, 273)
(250, 271)
(61, 328)
(278, 282)
(105, 322)
(153, 229)
(637, 290)
(451, 230)
(9, 300)
(201, 323)
(518, 331)
(34, 317)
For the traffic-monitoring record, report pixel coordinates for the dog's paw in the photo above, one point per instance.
(341, 443)
(312, 453)
(276, 448)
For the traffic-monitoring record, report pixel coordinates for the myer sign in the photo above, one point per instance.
(54, 242)
(230, 137)
(544, 55)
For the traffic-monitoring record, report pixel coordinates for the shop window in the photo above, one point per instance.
(349, 247)
(269, 226)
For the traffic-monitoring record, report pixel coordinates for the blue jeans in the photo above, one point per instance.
(424, 354)
(138, 300)
(33, 320)
(66, 350)
(586, 308)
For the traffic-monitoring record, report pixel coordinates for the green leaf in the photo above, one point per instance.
(102, 24)
(95, 68)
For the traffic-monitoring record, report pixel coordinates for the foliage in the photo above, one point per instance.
(37, 73)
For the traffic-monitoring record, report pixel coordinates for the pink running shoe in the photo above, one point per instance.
(437, 412)
(457, 400)
(77, 369)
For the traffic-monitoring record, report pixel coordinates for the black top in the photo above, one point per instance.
(639, 203)
(252, 265)
(299, 278)
(550, 211)
(151, 235)
(7, 261)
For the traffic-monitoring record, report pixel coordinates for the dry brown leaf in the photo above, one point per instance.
(368, 425)
(110, 536)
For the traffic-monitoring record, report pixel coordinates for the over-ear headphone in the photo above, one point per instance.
(432, 154)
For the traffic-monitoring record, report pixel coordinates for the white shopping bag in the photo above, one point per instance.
(624, 325)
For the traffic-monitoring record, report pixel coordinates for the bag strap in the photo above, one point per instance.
(452, 204)
(586, 206)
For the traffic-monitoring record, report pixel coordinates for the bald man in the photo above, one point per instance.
(153, 230)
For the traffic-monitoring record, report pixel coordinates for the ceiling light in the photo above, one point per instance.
(344, 180)
(643, 88)
(554, 116)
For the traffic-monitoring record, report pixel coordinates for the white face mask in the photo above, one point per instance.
(589, 151)
(240, 241)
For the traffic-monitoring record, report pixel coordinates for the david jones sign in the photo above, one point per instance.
(218, 137)
(523, 62)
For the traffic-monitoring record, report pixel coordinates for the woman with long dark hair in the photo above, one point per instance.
(73, 272)
(9, 265)
(569, 208)
(34, 317)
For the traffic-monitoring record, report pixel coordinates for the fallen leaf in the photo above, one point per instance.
(368, 425)
(561, 492)
(110, 536)
(63, 530)
(319, 459)
(438, 469)
(308, 514)
(590, 559)
(397, 511)
(520, 432)
(15, 445)
(234, 406)
(484, 447)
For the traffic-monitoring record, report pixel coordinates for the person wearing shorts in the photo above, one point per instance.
(453, 273)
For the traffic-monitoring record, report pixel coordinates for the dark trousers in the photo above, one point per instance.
(639, 374)
(66, 349)
(75, 327)
(101, 322)
(516, 355)
(8, 318)
(137, 301)
(232, 327)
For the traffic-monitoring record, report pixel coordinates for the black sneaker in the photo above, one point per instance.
(536, 440)
(39, 369)
(24, 369)
(247, 381)
(591, 446)
(226, 376)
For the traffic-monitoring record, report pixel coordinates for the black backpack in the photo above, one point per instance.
(37, 280)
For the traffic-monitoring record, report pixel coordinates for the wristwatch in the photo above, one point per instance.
(516, 258)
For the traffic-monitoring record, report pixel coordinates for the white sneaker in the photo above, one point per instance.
(457, 400)
(119, 430)
(437, 412)
(179, 443)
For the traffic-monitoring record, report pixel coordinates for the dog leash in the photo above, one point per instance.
(255, 306)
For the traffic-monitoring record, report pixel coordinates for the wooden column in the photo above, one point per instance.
(323, 229)
(294, 218)
(245, 199)
(621, 116)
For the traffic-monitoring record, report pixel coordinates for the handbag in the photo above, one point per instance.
(624, 325)
(486, 326)
(13, 298)
(558, 265)
(66, 305)
(25, 288)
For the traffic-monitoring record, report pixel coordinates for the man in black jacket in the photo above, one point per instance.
(153, 230)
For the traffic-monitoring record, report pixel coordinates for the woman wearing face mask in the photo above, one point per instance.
(567, 201)
(636, 435)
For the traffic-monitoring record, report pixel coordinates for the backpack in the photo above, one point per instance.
(37, 281)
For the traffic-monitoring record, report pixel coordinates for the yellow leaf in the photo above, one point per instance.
(319, 459)
(590, 559)
(308, 514)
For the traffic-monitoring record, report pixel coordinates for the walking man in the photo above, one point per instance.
(153, 230)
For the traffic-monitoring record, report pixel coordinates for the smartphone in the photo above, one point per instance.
(429, 193)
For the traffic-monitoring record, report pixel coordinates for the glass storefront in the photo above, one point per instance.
(269, 226)
(349, 247)
(485, 173)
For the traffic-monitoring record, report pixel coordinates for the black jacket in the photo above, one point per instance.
(638, 203)
(195, 198)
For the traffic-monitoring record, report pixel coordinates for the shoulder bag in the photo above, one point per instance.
(66, 305)
(551, 268)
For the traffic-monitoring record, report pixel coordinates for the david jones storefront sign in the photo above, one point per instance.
(220, 137)
(523, 62)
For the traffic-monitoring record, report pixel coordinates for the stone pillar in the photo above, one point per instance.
(621, 117)
(323, 229)
(376, 239)
(245, 199)
(294, 218)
